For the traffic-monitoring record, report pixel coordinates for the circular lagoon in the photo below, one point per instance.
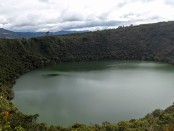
(94, 92)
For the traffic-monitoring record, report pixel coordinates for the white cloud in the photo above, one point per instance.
(169, 2)
(54, 15)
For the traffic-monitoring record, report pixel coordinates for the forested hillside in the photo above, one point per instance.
(152, 42)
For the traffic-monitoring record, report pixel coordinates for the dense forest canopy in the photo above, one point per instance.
(151, 42)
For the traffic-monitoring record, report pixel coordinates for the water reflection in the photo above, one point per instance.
(93, 92)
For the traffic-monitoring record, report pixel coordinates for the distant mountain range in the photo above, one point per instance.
(11, 35)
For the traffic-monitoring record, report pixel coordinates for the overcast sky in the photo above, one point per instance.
(56, 15)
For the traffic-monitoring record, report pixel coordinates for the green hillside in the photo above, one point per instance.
(152, 42)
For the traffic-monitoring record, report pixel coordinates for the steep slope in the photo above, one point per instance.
(152, 42)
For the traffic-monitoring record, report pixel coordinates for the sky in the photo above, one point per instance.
(57, 15)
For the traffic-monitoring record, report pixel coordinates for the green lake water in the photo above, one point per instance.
(94, 92)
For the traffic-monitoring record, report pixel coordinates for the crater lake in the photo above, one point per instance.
(95, 92)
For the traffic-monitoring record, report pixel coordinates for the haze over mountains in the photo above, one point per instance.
(11, 34)
(151, 42)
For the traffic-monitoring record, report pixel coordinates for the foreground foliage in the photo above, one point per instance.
(153, 42)
(158, 120)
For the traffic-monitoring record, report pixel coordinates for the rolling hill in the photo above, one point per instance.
(12, 35)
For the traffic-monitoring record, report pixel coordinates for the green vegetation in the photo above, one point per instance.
(153, 42)
(158, 120)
